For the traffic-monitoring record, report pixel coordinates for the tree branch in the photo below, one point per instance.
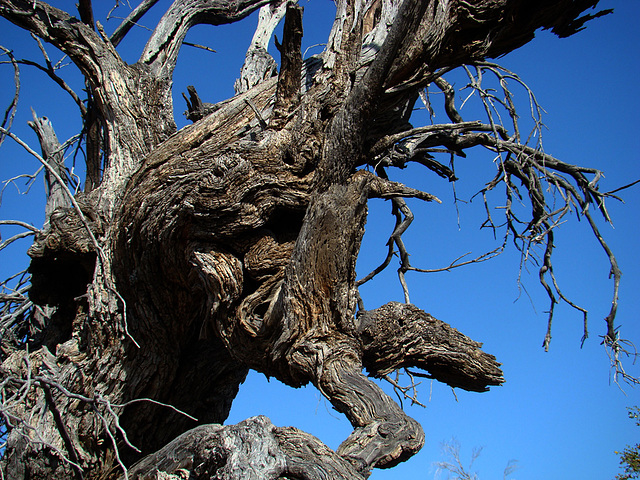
(252, 450)
(83, 45)
(400, 335)
(259, 65)
(161, 51)
(10, 112)
(350, 125)
(85, 9)
(126, 25)
(289, 78)
(50, 70)
(491, 29)
(51, 152)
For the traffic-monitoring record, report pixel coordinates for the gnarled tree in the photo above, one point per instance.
(231, 244)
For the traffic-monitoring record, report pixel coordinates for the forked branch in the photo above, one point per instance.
(554, 188)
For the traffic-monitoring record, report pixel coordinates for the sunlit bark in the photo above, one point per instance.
(231, 244)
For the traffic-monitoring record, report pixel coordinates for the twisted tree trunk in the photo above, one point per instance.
(231, 245)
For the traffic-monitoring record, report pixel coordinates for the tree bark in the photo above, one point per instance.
(231, 245)
(52, 153)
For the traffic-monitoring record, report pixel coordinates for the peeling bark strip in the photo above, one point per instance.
(232, 243)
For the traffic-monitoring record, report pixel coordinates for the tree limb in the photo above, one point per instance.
(76, 39)
(288, 91)
(254, 449)
(258, 64)
(126, 25)
(51, 152)
(161, 51)
(400, 335)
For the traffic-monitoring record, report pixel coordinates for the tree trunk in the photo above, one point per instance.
(231, 245)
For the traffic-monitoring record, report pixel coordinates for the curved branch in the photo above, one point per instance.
(258, 63)
(254, 449)
(161, 51)
(449, 95)
(83, 45)
(399, 335)
(615, 273)
(126, 25)
(17, 236)
(383, 434)
(26, 225)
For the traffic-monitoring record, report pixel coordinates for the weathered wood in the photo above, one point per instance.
(54, 155)
(129, 22)
(289, 78)
(94, 146)
(259, 65)
(253, 449)
(399, 335)
(196, 108)
(161, 51)
(232, 244)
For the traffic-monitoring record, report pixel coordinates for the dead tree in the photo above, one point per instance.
(193, 256)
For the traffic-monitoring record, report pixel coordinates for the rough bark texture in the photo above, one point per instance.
(231, 245)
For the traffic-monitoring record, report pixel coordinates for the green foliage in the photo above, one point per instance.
(630, 457)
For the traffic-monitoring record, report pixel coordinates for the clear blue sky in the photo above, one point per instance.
(557, 414)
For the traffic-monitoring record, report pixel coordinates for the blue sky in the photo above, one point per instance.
(558, 414)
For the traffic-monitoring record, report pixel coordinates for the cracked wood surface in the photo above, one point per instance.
(232, 243)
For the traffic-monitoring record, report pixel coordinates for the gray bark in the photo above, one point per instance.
(52, 153)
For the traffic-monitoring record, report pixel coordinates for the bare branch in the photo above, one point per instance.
(85, 9)
(196, 108)
(454, 465)
(20, 223)
(389, 140)
(402, 392)
(258, 63)
(83, 45)
(18, 236)
(10, 112)
(202, 47)
(161, 51)
(50, 70)
(617, 348)
(621, 188)
(52, 151)
(131, 20)
(614, 272)
(449, 95)
(542, 175)
(457, 263)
